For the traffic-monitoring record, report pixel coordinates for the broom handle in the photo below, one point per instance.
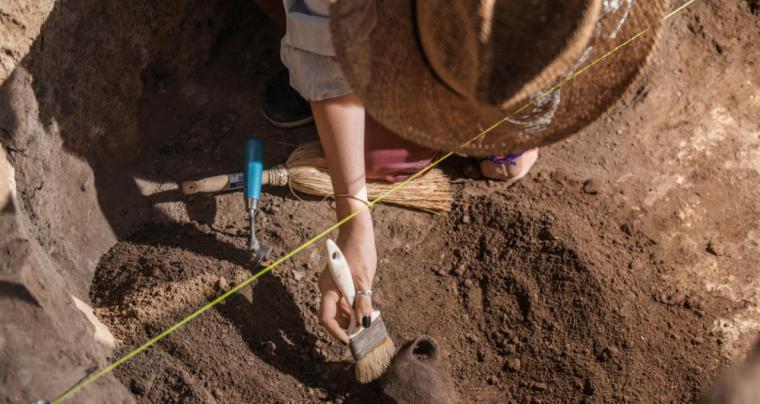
(227, 182)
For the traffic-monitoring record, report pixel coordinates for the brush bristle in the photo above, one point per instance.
(373, 365)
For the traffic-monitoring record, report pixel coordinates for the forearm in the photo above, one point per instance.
(340, 123)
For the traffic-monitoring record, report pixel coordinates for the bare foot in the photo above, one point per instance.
(509, 168)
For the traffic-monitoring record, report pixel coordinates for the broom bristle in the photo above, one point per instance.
(373, 364)
(307, 173)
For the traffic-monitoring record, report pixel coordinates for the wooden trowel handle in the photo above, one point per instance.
(212, 184)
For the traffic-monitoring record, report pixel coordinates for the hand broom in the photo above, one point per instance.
(306, 171)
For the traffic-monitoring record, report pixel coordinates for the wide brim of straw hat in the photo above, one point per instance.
(380, 56)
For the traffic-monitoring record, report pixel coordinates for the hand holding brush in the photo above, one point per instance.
(368, 340)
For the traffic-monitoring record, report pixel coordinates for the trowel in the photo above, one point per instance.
(252, 172)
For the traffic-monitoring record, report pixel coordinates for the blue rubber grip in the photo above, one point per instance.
(254, 167)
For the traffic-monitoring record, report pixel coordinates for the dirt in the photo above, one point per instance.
(531, 299)
(623, 269)
(557, 289)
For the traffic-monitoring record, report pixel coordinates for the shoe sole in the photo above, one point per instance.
(288, 125)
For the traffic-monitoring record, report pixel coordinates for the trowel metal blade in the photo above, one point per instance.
(260, 252)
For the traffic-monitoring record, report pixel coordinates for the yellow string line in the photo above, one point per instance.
(95, 376)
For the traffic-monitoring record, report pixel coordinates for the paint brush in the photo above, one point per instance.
(371, 347)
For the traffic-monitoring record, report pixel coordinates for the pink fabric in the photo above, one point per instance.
(391, 158)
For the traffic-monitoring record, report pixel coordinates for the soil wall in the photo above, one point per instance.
(71, 77)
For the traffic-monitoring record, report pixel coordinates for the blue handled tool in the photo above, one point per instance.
(252, 172)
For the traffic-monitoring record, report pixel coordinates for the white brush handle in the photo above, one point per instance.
(340, 272)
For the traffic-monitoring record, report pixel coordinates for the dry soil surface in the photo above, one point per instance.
(622, 269)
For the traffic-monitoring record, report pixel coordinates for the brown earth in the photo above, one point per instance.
(531, 298)
(623, 269)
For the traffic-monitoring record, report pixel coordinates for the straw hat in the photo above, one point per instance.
(440, 72)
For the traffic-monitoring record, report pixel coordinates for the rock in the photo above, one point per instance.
(298, 275)
(492, 380)
(591, 186)
(697, 340)
(460, 270)
(514, 365)
(222, 283)
(692, 302)
(272, 209)
(482, 355)
(268, 347)
(716, 248)
(539, 386)
(510, 348)
(466, 219)
(217, 393)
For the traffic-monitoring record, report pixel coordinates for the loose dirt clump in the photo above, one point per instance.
(567, 299)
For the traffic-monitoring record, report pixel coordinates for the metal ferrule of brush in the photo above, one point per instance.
(367, 339)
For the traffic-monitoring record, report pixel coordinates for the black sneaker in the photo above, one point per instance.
(283, 107)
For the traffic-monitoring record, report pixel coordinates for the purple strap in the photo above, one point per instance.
(511, 159)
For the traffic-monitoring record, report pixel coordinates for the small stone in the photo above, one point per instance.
(270, 208)
(298, 275)
(716, 248)
(539, 386)
(217, 393)
(439, 271)
(268, 347)
(514, 365)
(697, 340)
(591, 186)
(492, 380)
(222, 283)
(482, 355)
(466, 219)
(510, 348)
(460, 270)
(634, 266)
(471, 337)
(189, 380)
